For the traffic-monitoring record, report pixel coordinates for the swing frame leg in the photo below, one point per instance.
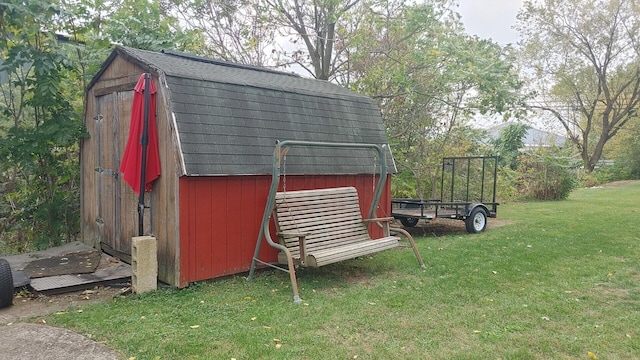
(412, 242)
(292, 276)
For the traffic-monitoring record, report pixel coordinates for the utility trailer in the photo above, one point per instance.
(467, 193)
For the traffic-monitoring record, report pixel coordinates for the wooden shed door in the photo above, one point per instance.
(117, 203)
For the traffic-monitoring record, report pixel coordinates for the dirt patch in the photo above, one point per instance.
(619, 183)
(27, 305)
(441, 227)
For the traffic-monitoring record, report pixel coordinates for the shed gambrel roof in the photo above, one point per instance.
(229, 116)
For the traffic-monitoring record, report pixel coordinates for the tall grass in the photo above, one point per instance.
(561, 279)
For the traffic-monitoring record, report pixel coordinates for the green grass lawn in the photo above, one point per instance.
(561, 279)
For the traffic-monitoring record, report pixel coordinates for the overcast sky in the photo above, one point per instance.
(491, 19)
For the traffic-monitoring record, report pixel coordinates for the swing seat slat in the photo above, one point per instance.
(321, 227)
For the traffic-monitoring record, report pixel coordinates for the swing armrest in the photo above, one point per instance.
(301, 241)
(381, 222)
(292, 234)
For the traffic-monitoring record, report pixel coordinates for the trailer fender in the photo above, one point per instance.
(474, 206)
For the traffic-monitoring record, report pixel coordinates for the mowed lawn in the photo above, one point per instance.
(559, 280)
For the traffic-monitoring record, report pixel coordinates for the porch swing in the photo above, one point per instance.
(323, 226)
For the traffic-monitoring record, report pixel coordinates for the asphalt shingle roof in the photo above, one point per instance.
(229, 117)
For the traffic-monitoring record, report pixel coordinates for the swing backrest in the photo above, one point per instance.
(327, 217)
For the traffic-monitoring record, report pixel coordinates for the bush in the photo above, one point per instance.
(507, 184)
(546, 174)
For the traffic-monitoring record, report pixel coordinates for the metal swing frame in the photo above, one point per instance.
(281, 149)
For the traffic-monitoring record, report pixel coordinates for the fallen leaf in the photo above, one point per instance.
(278, 346)
(592, 355)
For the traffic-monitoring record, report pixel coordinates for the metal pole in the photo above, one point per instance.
(144, 141)
(495, 181)
(453, 177)
(468, 178)
(484, 160)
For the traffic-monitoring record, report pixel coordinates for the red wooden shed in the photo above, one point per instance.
(218, 123)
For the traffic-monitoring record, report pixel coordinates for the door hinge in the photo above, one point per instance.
(107, 172)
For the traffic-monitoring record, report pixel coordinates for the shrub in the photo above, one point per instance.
(546, 174)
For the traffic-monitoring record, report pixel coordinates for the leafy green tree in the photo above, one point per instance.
(430, 78)
(39, 128)
(584, 60)
(626, 154)
(509, 144)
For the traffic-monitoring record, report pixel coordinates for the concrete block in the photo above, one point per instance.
(144, 264)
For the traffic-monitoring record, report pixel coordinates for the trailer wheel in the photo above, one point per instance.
(477, 221)
(409, 222)
(6, 284)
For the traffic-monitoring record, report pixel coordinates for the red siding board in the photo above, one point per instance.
(203, 228)
(252, 216)
(236, 219)
(220, 218)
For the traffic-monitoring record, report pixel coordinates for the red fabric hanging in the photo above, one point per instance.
(132, 159)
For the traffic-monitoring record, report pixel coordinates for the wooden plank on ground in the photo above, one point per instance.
(110, 270)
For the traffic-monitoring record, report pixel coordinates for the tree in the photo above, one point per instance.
(429, 78)
(508, 145)
(41, 102)
(39, 127)
(315, 23)
(241, 31)
(625, 150)
(584, 60)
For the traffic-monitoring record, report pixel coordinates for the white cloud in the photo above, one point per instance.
(492, 19)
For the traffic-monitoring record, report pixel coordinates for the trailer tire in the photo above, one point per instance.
(476, 222)
(6, 284)
(409, 222)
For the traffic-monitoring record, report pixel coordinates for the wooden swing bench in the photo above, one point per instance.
(321, 227)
